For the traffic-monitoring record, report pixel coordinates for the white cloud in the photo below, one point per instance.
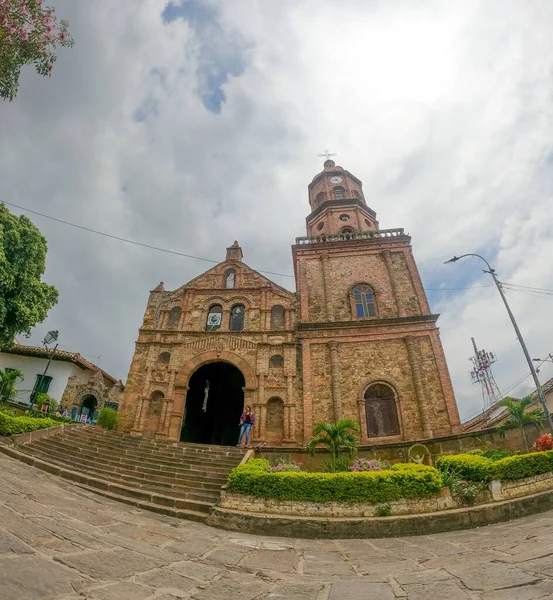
(442, 109)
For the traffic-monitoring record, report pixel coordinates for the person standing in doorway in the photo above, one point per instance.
(246, 421)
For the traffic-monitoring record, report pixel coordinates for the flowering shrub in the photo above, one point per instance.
(467, 491)
(364, 464)
(545, 442)
(29, 34)
(281, 465)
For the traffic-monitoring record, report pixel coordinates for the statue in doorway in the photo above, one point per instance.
(206, 394)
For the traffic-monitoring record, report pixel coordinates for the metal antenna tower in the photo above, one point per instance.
(481, 373)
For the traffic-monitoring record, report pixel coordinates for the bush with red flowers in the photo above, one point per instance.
(545, 442)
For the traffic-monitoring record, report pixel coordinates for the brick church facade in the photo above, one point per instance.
(356, 340)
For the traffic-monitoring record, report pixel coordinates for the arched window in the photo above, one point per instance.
(174, 316)
(339, 193)
(380, 411)
(277, 317)
(229, 278)
(237, 317)
(164, 358)
(157, 395)
(214, 317)
(319, 199)
(276, 362)
(356, 195)
(363, 298)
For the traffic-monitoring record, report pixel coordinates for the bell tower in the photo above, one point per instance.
(370, 347)
(337, 203)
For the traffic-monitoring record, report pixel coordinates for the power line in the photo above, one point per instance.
(116, 237)
(216, 262)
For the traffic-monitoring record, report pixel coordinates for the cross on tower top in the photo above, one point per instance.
(327, 154)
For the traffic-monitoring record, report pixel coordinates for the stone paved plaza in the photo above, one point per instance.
(60, 542)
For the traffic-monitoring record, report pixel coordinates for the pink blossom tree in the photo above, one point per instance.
(29, 34)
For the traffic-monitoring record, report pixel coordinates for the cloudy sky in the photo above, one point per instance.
(193, 123)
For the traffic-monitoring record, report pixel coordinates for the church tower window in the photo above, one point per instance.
(356, 195)
(380, 411)
(237, 318)
(319, 199)
(214, 317)
(363, 298)
(339, 193)
(229, 278)
(277, 317)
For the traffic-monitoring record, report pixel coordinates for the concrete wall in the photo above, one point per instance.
(30, 366)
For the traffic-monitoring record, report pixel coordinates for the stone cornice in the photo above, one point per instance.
(368, 323)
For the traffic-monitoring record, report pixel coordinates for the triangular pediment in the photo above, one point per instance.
(213, 279)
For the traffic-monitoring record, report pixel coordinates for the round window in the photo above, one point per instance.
(344, 217)
(320, 226)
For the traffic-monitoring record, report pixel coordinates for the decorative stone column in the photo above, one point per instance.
(336, 380)
(145, 407)
(161, 433)
(398, 298)
(168, 414)
(287, 318)
(135, 431)
(289, 432)
(326, 287)
(263, 421)
(177, 414)
(414, 361)
(363, 420)
(257, 423)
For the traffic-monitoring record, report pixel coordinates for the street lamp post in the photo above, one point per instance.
(539, 390)
(50, 337)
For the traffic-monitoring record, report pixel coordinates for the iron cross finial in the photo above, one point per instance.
(327, 154)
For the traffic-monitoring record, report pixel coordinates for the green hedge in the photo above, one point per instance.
(470, 467)
(473, 467)
(12, 425)
(365, 486)
(524, 465)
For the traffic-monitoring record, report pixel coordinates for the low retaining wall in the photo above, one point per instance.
(32, 436)
(379, 527)
(405, 506)
(503, 500)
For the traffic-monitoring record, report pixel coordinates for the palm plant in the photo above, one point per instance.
(339, 436)
(8, 378)
(518, 416)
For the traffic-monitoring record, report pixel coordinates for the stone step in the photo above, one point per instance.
(125, 439)
(161, 457)
(199, 479)
(190, 490)
(163, 454)
(101, 485)
(152, 464)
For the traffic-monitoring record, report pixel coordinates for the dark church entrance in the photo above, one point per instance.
(214, 404)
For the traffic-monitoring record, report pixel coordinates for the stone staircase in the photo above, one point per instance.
(181, 480)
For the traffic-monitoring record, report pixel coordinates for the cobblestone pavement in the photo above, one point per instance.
(60, 542)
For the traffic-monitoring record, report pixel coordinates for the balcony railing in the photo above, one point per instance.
(355, 235)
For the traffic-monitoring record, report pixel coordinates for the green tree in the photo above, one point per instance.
(29, 34)
(518, 416)
(337, 437)
(8, 379)
(24, 299)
